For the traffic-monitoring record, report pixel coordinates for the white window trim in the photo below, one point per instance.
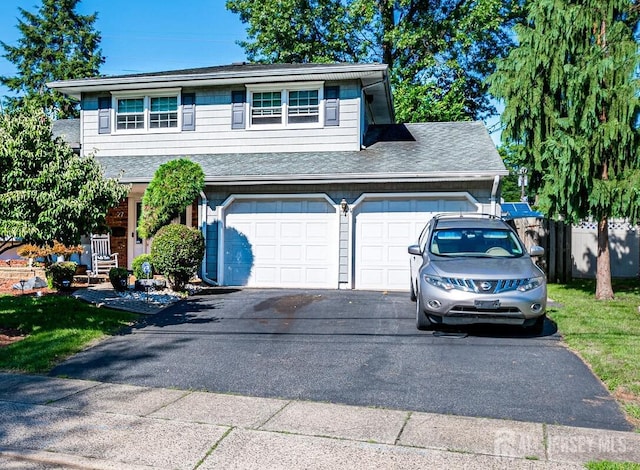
(146, 95)
(284, 89)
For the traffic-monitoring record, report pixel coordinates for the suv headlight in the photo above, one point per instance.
(443, 283)
(531, 283)
(438, 281)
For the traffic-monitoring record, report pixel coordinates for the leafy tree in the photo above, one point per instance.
(571, 95)
(56, 44)
(439, 52)
(48, 192)
(175, 185)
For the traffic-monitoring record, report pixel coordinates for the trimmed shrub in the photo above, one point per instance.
(60, 275)
(119, 278)
(175, 185)
(137, 263)
(177, 251)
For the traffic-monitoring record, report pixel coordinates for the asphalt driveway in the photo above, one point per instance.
(351, 347)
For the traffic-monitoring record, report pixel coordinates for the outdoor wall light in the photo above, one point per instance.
(344, 206)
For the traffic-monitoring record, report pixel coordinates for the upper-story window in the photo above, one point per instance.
(266, 107)
(163, 112)
(285, 105)
(130, 113)
(155, 111)
(303, 106)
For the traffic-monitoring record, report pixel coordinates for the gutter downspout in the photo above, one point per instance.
(494, 192)
(204, 204)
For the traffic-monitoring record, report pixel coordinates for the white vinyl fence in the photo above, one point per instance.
(624, 246)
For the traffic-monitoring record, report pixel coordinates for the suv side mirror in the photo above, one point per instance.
(415, 250)
(536, 251)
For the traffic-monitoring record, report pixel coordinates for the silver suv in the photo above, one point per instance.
(473, 268)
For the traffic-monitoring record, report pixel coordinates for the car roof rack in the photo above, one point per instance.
(465, 215)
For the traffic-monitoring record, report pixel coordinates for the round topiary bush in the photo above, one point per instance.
(177, 251)
(137, 263)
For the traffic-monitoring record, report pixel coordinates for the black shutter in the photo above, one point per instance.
(104, 115)
(238, 119)
(189, 112)
(332, 106)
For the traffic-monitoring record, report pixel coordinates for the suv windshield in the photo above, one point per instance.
(476, 242)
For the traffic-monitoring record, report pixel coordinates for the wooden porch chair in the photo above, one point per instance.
(102, 260)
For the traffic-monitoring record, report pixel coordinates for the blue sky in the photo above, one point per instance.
(147, 35)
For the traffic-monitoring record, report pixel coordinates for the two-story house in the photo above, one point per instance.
(309, 181)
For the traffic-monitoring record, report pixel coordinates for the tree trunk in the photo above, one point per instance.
(604, 290)
(385, 7)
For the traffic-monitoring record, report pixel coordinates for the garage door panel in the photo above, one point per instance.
(291, 230)
(371, 231)
(317, 230)
(371, 252)
(397, 254)
(265, 252)
(316, 275)
(316, 253)
(398, 277)
(384, 228)
(292, 276)
(265, 229)
(290, 243)
(398, 231)
(291, 253)
(370, 277)
(266, 275)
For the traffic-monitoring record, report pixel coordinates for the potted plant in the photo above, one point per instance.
(60, 275)
(119, 278)
(29, 252)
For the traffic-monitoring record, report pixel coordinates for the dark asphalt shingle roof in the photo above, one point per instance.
(398, 152)
(68, 130)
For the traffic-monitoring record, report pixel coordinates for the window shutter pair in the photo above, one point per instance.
(188, 113)
(331, 113)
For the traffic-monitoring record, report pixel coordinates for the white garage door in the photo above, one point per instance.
(281, 243)
(384, 230)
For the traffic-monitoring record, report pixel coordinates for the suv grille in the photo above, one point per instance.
(484, 286)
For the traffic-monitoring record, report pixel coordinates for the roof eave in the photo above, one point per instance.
(240, 180)
(75, 88)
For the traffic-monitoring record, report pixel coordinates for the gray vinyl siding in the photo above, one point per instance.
(213, 132)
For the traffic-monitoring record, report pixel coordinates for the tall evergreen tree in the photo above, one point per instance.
(57, 43)
(571, 95)
(439, 51)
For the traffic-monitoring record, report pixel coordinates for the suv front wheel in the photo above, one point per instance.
(422, 321)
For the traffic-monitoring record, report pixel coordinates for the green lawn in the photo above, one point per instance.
(606, 334)
(56, 327)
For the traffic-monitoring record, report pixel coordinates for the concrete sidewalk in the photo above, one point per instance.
(60, 423)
